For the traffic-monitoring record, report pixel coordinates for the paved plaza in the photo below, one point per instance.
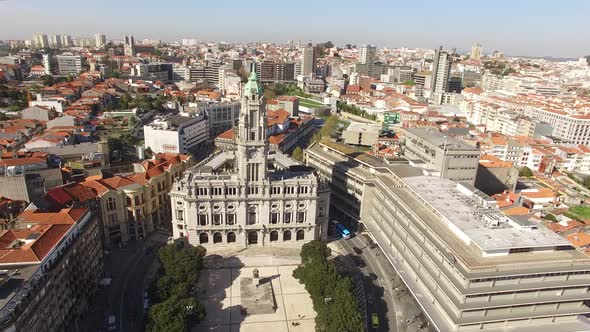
(220, 294)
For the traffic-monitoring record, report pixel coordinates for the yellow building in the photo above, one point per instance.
(133, 206)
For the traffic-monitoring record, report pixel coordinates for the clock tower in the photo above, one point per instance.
(251, 133)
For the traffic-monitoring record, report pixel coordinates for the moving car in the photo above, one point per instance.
(374, 321)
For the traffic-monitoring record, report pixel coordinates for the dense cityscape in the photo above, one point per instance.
(193, 184)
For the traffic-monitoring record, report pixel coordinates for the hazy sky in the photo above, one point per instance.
(558, 28)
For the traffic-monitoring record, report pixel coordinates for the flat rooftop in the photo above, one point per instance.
(473, 223)
(363, 127)
(438, 138)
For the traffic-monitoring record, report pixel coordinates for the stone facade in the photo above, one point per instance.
(248, 196)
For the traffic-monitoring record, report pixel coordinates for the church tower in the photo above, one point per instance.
(129, 46)
(251, 133)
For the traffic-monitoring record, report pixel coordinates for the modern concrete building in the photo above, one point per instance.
(368, 54)
(361, 134)
(47, 64)
(309, 62)
(69, 63)
(468, 266)
(40, 40)
(367, 65)
(176, 133)
(269, 71)
(441, 72)
(574, 128)
(100, 40)
(221, 117)
(443, 156)
(162, 72)
(494, 175)
(248, 196)
(476, 51)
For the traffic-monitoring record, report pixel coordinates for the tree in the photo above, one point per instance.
(175, 308)
(69, 78)
(148, 153)
(175, 314)
(322, 281)
(297, 154)
(47, 80)
(550, 217)
(525, 172)
(182, 263)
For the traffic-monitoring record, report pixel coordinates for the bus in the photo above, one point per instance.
(345, 233)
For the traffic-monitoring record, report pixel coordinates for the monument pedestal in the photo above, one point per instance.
(257, 297)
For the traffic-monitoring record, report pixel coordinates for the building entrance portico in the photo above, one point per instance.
(252, 237)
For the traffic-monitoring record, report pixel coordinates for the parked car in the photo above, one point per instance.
(111, 323)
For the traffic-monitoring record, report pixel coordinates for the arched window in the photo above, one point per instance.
(203, 238)
(252, 237)
(300, 235)
(231, 237)
(274, 236)
(287, 236)
(217, 238)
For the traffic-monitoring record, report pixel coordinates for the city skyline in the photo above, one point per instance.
(536, 29)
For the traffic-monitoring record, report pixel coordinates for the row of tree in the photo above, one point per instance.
(174, 306)
(143, 102)
(49, 80)
(328, 129)
(273, 90)
(352, 109)
(332, 295)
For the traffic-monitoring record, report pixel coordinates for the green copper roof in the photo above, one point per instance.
(253, 85)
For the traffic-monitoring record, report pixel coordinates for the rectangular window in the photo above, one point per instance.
(287, 217)
(251, 218)
(216, 219)
(202, 219)
(179, 215)
(113, 219)
(136, 200)
(300, 217)
(274, 218)
(179, 226)
(231, 219)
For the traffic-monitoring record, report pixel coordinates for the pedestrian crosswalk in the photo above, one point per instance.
(159, 237)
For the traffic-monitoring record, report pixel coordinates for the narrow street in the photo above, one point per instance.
(383, 287)
(128, 267)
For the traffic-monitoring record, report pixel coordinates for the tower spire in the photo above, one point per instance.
(251, 132)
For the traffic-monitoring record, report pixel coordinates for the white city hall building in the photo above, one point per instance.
(250, 196)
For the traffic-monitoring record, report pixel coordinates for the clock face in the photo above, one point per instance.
(253, 153)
